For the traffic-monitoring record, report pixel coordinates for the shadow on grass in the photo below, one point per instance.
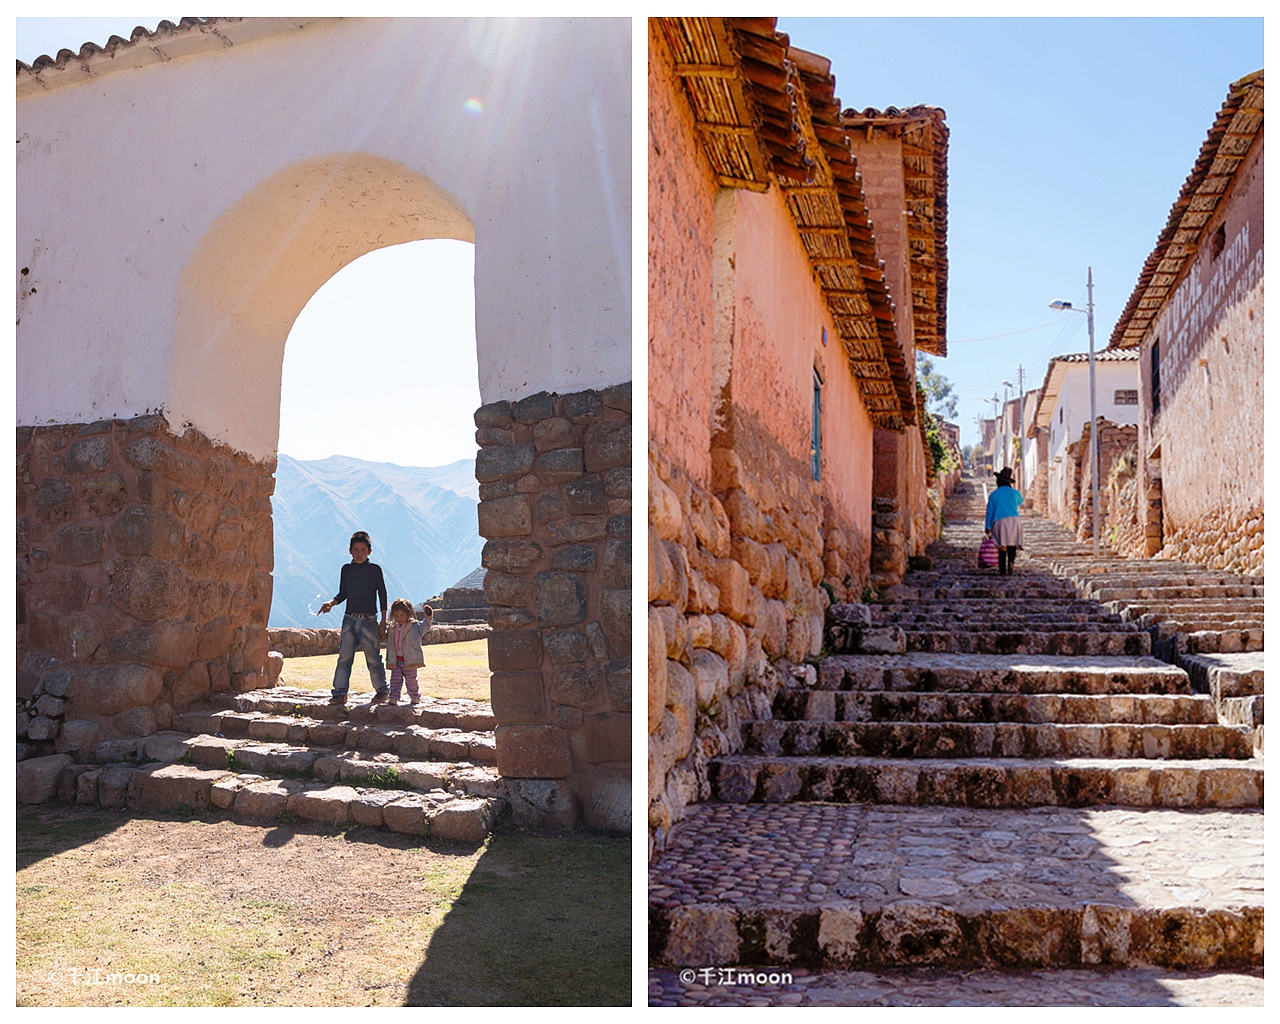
(46, 830)
(542, 921)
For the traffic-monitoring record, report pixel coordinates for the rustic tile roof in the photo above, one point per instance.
(143, 48)
(924, 136)
(768, 116)
(1238, 123)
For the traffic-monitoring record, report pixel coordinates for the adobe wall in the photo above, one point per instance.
(746, 550)
(555, 509)
(1209, 429)
(144, 576)
(682, 190)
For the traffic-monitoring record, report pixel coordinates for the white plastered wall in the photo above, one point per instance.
(174, 219)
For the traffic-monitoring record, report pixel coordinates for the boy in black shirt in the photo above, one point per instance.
(361, 584)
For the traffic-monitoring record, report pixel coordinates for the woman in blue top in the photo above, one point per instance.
(1003, 523)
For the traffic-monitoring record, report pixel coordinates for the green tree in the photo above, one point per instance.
(940, 398)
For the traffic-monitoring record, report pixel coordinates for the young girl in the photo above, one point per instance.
(404, 648)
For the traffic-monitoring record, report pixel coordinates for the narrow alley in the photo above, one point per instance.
(1001, 777)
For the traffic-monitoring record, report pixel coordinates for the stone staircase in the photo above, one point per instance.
(1208, 622)
(286, 753)
(1000, 773)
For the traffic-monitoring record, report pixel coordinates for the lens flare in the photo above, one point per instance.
(473, 107)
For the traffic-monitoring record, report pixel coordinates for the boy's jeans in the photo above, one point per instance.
(358, 633)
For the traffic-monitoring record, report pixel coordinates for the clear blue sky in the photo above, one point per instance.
(415, 300)
(1070, 139)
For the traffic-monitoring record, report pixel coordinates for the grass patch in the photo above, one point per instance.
(388, 778)
(541, 921)
(228, 914)
(451, 671)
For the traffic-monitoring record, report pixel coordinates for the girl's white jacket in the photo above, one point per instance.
(411, 644)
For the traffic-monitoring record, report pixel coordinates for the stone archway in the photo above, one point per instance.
(181, 196)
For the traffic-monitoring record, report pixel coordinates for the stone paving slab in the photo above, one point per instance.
(1002, 673)
(865, 886)
(928, 986)
(988, 782)
(961, 857)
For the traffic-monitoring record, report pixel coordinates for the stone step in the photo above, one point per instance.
(957, 606)
(307, 730)
(412, 762)
(1173, 593)
(987, 782)
(1007, 673)
(995, 739)
(1225, 675)
(1227, 641)
(1077, 644)
(1242, 606)
(1164, 627)
(931, 622)
(1029, 708)
(178, 787)
(294, 702)
(989, 589)
(410, 745)
(879, 887)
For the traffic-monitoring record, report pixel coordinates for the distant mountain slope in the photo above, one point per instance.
(422, 523)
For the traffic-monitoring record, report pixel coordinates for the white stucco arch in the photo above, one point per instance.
(262, 260)
(137, 172)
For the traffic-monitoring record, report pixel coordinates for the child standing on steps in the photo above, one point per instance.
(404, 647)
(362, 587)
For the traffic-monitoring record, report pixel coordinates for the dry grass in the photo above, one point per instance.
(234, 914)
(452, 670)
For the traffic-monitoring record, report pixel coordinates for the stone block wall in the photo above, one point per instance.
(736, 606)
(289, 642)
(144, 574)
(1113, 441)
(555, 509)
(1227, 540)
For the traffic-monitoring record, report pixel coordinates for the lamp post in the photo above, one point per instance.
(1016, 468)
(1093, 406)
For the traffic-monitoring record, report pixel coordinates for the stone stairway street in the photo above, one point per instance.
(995, 772)
(287, 753)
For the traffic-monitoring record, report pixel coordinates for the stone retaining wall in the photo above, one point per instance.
(1225, 540)
(311, 643)
(555, 508)
(144, 574)
(739, 581)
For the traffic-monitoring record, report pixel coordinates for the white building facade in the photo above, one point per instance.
(1063, 409)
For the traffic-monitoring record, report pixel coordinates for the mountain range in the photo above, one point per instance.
(422, 522)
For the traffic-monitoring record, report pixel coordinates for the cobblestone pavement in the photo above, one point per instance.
(819, 854)
(983, 987)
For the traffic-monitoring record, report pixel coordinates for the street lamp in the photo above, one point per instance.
(1093, 405)
(1008, 385)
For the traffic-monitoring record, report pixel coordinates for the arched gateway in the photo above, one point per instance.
(180, 198)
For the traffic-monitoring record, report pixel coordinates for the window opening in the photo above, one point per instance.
(815, 445)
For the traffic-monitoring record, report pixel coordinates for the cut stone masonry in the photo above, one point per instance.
(555, 508)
